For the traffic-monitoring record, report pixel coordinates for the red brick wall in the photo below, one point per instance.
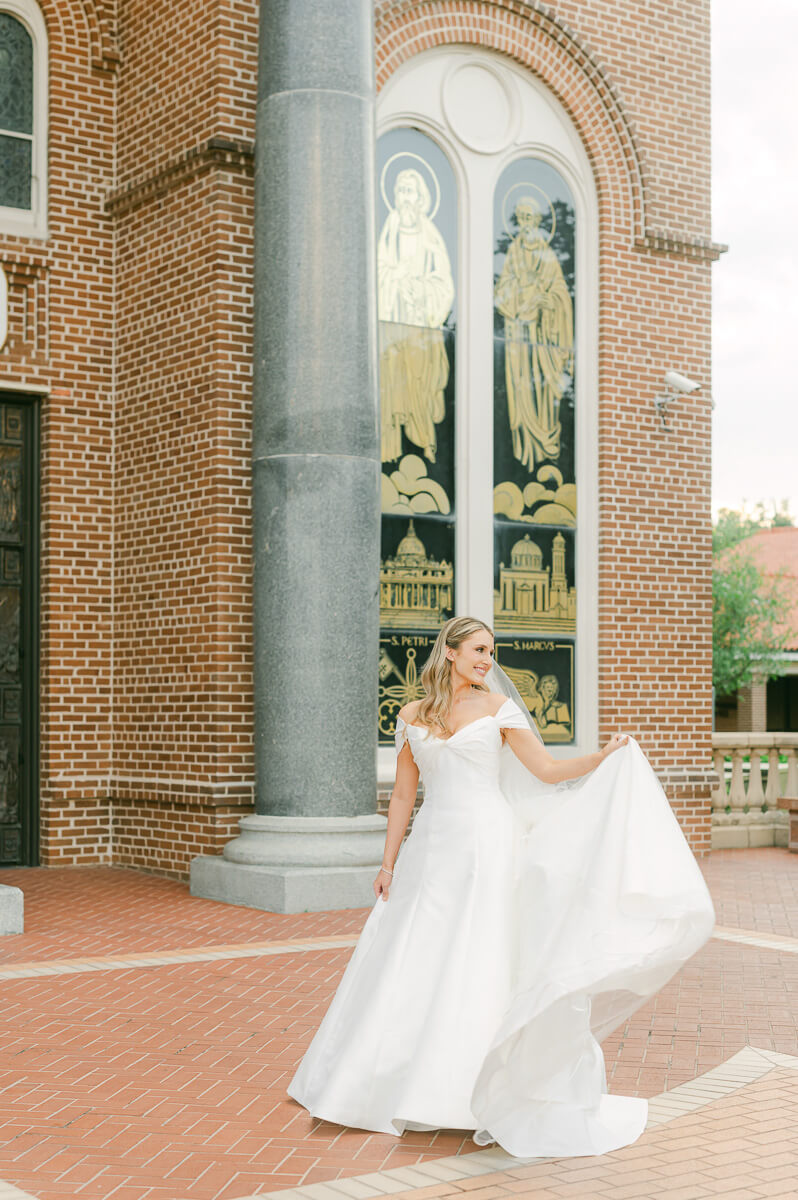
(162, 837)
(145, 644)
(61, 342)
(168, 82)
(183, 211)
(146, 694)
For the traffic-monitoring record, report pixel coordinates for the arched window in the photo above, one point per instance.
(534, 443)
(417, 294)
(517, 409)
(23, 119)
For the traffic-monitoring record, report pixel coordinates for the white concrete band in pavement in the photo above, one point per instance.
(167, 958)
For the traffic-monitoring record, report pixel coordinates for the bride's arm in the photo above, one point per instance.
(403, 797)
(536, 758)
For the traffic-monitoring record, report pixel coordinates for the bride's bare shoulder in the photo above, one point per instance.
(494, 701)
(409, 711)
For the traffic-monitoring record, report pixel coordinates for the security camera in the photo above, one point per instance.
(677, 385)
(680, 383)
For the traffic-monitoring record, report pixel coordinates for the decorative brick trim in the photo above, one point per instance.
(149, 789)
(661, 242)
(27, 263)
(105, 52)
(27, 341)
(100, 19)
(533, 36)
(98, 26)
(215, 154)
(684, 776)
(153, 788)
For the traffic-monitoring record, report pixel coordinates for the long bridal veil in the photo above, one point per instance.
(610, 904)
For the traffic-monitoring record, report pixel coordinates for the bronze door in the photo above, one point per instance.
(18, 632)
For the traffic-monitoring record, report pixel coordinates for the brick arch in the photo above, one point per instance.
(102, 26)
(538, 41)
(78, 23)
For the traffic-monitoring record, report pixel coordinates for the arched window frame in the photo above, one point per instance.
(559, 145)
(32, 222)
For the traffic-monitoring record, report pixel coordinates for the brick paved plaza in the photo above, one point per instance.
(147, 1038)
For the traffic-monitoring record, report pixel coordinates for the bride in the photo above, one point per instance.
(535, 905)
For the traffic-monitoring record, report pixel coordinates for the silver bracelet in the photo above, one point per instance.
(387, 872)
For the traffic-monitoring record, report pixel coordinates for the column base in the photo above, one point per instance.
(295, 864)
(286, 890)
(12, 910)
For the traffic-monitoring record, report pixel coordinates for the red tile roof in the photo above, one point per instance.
(775, 550)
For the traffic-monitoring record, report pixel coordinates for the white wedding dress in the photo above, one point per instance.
(525, 922)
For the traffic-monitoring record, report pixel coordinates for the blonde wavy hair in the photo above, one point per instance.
(436, 677)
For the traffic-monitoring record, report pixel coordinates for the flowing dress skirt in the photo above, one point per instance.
(524, 924)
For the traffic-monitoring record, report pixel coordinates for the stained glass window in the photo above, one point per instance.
(534, 496)
(417, 287)
(16, 113)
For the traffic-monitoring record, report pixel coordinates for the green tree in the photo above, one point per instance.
(749, 610)
(735, 525)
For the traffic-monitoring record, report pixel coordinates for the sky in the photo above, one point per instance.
(755, 285)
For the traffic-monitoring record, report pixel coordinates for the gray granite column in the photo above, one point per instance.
(315, 841)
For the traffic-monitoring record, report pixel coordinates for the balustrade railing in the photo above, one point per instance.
(773, 754)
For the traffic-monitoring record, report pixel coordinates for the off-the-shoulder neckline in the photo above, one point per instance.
(486, 717)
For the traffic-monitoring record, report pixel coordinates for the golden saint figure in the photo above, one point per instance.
(533, 298)
(416, 291)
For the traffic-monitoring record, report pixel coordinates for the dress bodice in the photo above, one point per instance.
(469, 761)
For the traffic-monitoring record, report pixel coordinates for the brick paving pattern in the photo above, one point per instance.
(737, 1148)
(70, 912)
(168, 1082)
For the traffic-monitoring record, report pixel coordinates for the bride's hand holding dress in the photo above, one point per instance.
(530, 751)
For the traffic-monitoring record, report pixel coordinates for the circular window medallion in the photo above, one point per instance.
(481, 106)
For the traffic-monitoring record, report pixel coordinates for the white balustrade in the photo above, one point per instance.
(761, 749)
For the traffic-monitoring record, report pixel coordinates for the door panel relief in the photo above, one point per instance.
(18, 732)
